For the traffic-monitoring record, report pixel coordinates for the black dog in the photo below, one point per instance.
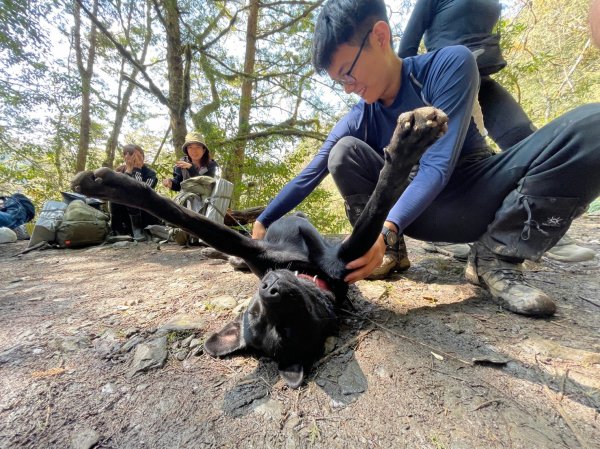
(301, 273)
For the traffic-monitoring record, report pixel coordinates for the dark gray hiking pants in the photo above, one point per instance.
(518, 203)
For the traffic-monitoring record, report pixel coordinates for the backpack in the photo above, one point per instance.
(207, 196)
(82, 225)
(47, 223)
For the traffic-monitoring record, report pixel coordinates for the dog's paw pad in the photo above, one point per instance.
(421, 127)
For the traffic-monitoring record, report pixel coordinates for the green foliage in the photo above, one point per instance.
(552, 65)
(594, 207)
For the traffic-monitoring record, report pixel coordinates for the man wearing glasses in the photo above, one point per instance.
(513, 205)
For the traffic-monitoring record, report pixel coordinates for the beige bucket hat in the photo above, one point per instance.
(193, 137)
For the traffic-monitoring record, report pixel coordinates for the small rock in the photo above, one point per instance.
(131, 343)
(131, 331)
(270, 409)
(352, 380)
(84, 439)
(182, 323)
(182, 354)
(149, 356)
(382, 373)
(108, 389)
(186, 343)
(330, 343)
(224, 302)
(195, 342)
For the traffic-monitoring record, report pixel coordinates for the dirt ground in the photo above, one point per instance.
(424, 360)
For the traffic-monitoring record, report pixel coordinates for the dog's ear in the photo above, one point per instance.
(226, 341)
(293, 375)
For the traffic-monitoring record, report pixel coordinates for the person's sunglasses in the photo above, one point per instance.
(347, 78)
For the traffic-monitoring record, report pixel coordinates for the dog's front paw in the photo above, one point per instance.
(416, 131)
(106, 184)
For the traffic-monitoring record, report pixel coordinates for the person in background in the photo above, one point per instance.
(129, 220)
(196, 162)
(473, 23)
(514, 205)
(15, 211)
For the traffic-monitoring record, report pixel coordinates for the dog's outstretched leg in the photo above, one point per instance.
(415, 132)
(109, 185)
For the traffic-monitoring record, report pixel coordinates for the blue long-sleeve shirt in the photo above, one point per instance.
(447, 79)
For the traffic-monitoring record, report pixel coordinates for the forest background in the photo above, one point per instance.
(81, 78)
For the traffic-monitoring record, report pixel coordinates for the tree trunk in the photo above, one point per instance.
(85, 71)
(234, 169)
(178, 83)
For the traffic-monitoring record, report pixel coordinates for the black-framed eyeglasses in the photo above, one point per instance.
(347, 78)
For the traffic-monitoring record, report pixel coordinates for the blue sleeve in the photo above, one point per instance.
(451, 84)
(311, 176)
(419, 22)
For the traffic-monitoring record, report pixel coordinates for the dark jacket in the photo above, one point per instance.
(181, 174)
(443, 23)
(144, 174)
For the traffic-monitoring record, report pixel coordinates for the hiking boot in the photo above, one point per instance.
(459, 251)
(395, 259)
(505, 281)
(21, 232)
(568, 250)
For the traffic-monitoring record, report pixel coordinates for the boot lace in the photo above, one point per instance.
(530, 222)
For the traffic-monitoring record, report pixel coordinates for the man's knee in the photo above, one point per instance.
(342, 152)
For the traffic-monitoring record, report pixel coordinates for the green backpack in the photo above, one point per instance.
(82, 225)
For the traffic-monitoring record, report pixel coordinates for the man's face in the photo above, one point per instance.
(367, 67)
(348, 69)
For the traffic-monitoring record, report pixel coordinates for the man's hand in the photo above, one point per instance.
(129, 162)
(364, 265)
(168, 183)
(132, 161)
(258, 230)
(138, 160)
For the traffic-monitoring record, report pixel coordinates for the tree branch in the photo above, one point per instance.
(152, 88)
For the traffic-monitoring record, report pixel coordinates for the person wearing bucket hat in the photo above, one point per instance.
(196, 162)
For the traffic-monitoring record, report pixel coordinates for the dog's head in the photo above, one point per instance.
(288, 320)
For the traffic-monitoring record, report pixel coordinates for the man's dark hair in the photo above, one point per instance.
(341, 22)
